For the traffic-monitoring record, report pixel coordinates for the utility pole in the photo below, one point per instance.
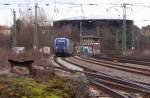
(147, 38)
(35, 28)
(133, 37)
(117, 41)
(124, 35)
(81, 32)
(81, 49)
(97, 29)
(98, 34)
(14, 29)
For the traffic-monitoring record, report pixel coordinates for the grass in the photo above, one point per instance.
(25, 87)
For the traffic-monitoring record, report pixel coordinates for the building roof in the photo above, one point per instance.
(89, 18)
(4, 30)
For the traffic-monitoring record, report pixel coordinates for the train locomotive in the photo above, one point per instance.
(63, 46)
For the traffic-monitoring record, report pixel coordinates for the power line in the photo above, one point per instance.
(124, 35)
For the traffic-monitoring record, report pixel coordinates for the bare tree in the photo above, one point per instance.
(25, 29)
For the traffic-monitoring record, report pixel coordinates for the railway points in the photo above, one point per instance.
(130, 81)
(96, 45)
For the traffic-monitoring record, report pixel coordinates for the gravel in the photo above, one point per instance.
(112, 72)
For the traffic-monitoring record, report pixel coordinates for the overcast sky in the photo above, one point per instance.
(60, 9)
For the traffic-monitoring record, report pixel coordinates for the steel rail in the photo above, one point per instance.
(116, 66)
(122, 65)
(104, 88)
(107, 89)
(139, 87)
(134, 61)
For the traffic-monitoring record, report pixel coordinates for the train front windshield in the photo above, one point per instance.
(61, 43)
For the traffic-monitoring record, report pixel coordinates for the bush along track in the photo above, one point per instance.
(25, 87)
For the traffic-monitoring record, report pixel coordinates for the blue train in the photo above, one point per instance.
(63, 46)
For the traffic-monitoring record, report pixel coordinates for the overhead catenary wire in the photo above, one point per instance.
(58, 5)
(57, 9)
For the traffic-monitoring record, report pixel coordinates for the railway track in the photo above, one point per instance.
(111, 78)
(104, 88)
(123, 67)
(125, 60)
(109, 83)
(91, 60)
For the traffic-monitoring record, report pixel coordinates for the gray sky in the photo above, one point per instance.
(59, 9)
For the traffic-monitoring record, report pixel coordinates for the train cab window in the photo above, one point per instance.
(61, 43)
